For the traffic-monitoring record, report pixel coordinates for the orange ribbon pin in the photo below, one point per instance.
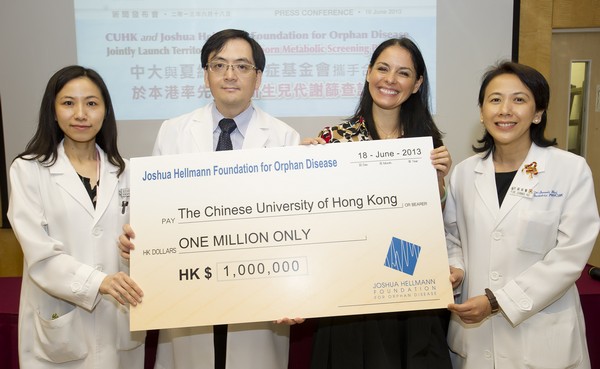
(531, 169)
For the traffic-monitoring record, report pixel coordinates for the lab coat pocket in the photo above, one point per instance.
(61, 339)
(127, 340)
(537, 230)
(456, 336)
(551, 340)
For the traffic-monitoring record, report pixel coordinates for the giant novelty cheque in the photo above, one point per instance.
(307, 231)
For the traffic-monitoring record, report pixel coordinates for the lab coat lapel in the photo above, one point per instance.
(66, 177)
(485, 184)
(523, 182)
(107, 186)
(202, 129)
(257, 133)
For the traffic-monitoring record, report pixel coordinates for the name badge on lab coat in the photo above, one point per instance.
(521, 192)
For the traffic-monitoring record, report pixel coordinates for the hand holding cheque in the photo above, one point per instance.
(235, 236)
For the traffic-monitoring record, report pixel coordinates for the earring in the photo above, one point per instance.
(536, 121)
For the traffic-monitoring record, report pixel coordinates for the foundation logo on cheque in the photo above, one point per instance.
(402, 256)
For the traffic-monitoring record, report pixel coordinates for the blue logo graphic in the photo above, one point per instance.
(402, 256)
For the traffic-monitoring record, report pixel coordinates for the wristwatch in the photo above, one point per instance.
(493, 301)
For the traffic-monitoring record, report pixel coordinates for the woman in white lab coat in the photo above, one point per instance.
(69, 200)
(521, 221)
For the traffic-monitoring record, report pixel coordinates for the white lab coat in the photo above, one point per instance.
(262, 345)
(529, 252)
(193, 133)
(69, 247)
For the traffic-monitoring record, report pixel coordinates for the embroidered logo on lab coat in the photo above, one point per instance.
(547, 193)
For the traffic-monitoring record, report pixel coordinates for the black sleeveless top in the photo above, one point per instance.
(503, 181)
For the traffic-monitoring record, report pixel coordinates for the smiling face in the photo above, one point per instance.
(508, 110)
(80, 110)
(232, 92)
(393, 78)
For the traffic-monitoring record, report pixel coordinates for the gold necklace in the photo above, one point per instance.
(393, 134)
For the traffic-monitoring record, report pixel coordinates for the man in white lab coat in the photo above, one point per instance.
(233, 63)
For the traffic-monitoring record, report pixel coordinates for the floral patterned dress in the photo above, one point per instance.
(348, 131)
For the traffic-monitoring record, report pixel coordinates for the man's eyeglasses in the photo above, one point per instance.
(239, 68)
